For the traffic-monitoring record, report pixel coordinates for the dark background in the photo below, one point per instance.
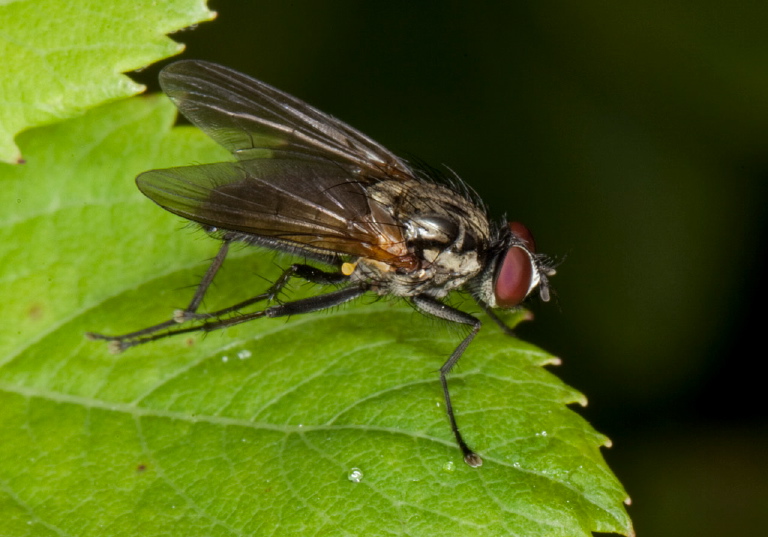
(633, 141)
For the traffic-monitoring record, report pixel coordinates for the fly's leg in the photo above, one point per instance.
(179, 315)
(433, 307)
(205, 283)
(297, 307)
(506, 329)
(305, 272)
(492, 314)
(165, 329)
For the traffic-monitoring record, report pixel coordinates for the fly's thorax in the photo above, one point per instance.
(433, 280)
(446, 232)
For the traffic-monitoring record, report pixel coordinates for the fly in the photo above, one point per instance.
(305, 183)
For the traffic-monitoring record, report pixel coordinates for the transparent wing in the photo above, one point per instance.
(304, 205)
(253, 120)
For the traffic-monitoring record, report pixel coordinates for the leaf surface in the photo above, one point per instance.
(66, 57)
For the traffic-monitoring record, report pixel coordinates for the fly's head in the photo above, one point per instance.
(514, 271)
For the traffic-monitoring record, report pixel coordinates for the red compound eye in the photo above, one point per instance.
(515, 274)
(524, 234)
(513, 280)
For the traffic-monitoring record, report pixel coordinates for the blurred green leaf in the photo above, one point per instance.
(64, 58)
(255, 429)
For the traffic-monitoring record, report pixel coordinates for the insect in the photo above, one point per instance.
(305, 183)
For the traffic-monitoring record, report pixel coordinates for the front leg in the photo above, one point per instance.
(433, 307)
(492, 314)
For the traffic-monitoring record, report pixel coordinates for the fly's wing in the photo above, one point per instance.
(254, 120)
(297, 204)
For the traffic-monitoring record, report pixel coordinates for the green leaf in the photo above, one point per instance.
(67, 57)
(258, 429)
